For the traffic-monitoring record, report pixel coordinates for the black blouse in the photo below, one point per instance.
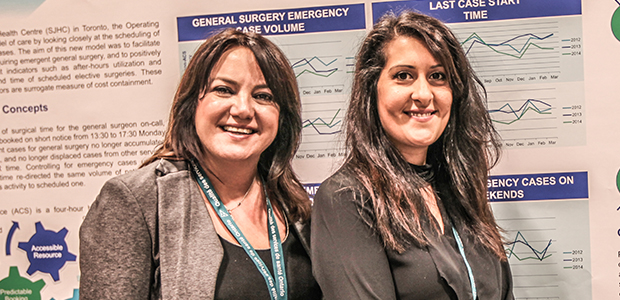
(350, 261)
(238, 277)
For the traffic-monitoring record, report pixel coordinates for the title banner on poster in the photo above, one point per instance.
(453, 11)
(548, 186)
(275, 22)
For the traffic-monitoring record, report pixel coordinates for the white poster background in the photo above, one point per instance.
(140, 111)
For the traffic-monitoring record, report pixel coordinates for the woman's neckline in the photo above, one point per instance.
(425, 171)
(239, 246)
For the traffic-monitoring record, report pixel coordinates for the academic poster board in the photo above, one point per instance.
(85, 89)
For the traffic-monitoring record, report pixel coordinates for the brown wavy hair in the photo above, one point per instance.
(461, 158)
(181, 140)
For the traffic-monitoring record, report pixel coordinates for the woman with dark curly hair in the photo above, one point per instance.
(407, 215)
(216, 212)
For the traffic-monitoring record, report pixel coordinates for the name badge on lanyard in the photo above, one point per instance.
(278, 288)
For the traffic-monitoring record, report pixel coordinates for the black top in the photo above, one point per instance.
(238, 277)
(350, 261)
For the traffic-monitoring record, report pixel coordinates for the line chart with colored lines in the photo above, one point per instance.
(514, 47)
(322, 127)
(322, 124)
(547, 246)
(309, 66)
(323, 64)
(536, 50)
(507, 115)
(538, 115)
(529, 253)
(532, 70)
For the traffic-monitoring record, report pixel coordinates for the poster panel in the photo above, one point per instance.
(85, 89)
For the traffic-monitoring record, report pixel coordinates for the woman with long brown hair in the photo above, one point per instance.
(407, 215)
(216, 212)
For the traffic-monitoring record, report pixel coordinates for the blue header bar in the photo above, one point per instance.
(547, 186)
(311, 189)
(455, 11)
(275, 22)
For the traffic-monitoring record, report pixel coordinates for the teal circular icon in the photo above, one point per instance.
(618, 181)
(615, 23)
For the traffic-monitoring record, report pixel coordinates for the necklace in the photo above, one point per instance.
(242, 199)
(278, 287)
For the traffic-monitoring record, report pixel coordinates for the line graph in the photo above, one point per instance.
(319, 122)
(536, 50)
(502, 51)
(475, 39)
(519, 239)
(323, 64)
(319, 75)
(321, 126)
(507, 115)
(547, 247)
(305, 66)
(533, 73)
(538, 115)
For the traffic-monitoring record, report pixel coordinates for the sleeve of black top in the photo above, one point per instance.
(348, 258)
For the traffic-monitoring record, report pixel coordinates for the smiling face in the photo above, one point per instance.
(413, 97)
(236, 118)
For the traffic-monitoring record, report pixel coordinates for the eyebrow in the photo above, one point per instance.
(227, 80)
(413, 67)
(432, 68)
(235, 83)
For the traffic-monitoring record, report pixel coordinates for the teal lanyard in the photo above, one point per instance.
(277, 291)
(469, 272)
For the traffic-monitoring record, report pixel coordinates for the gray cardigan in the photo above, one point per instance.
(148, 235)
